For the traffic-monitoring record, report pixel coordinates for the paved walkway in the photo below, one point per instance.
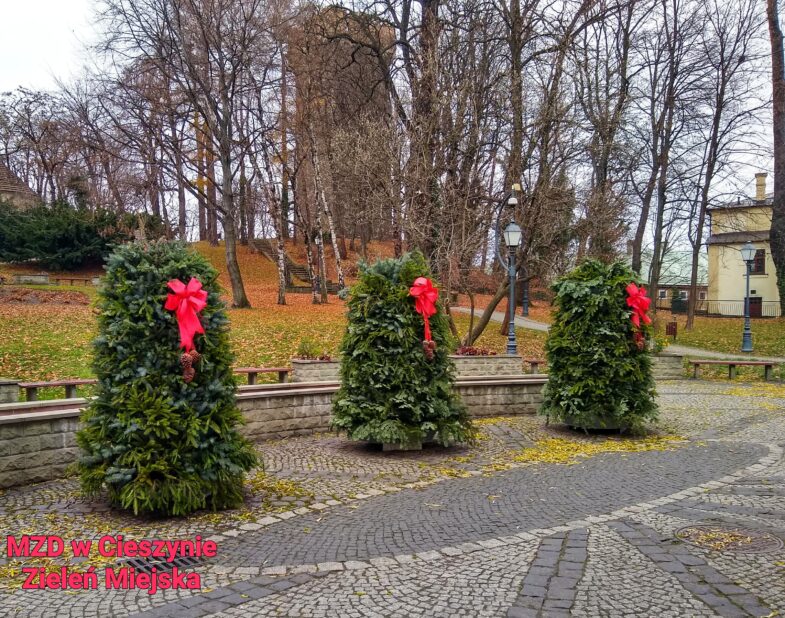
(699, 353)
(498, 316)
(692, 531)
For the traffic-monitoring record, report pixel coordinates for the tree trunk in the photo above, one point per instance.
(243, 207)
(201, 183)
(239, 299)
(313, 271)
(324, 207)
(212, 203)
(284, 122)
(487, 314)
(778, 114)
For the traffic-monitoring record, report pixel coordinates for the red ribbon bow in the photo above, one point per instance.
(637, 299)
(186, 302)
(425, 296)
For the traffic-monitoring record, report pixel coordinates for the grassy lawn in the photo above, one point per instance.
(53, 341)
(724, 335)
(45, 342)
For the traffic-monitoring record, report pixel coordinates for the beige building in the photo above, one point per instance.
(732, 226)
(15, 191)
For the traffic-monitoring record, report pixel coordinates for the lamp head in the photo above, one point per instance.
(512, 235)
(748, 252)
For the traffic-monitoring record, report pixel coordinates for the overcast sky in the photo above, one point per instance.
(41, 40)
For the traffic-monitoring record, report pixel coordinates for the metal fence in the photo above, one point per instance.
(723, 308)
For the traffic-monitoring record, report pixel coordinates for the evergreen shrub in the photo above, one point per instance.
(160, 445)
(390, 392)
(599, 375)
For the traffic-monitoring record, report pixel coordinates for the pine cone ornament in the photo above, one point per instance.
(188, 374)
(428, 349)
(186, 360)
(195, 357)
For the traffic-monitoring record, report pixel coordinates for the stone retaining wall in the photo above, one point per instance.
(668, 366)
(500, 365)
(37, 449)
(466, 366)
(39, 446)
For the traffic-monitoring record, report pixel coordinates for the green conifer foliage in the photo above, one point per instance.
(599, 377)
(390, 391)
(160, 445)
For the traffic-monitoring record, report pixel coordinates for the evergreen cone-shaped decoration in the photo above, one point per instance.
(394, 388)
(161, 438)
(600, 366)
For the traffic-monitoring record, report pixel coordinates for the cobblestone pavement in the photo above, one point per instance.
(337, 529)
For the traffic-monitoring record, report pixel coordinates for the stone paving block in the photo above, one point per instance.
(260, 592)
(212, 607)
(241, 586)
(490, 543)
(274, 570)
(329, 566)
(283, 584)
(522, 612)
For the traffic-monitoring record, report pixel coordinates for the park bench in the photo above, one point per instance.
(31, 388)
(283, 372)
(768, 367)
(534, 363)
(84, 280)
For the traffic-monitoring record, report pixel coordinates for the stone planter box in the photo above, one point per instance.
(9, 390)
(500, 365)
(667, 366)
(315, 370)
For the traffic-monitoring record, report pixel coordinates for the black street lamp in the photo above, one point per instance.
(512, 238)
(748, 255)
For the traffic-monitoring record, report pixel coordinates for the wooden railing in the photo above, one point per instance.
(31, 388)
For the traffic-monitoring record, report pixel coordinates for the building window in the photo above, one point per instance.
(683, 294)
(758, 266)
(663, 294)
(702, 295)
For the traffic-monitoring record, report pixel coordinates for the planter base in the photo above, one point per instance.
(595, 424)
(416, 446)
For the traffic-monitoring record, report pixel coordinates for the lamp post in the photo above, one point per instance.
(748, 255)
(512, 238)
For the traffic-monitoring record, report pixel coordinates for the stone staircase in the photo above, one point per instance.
(268, 247)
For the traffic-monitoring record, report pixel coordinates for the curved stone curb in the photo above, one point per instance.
(775, 453)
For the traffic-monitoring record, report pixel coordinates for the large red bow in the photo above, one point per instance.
(186, 302)
(637, 299)
(425, 297)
